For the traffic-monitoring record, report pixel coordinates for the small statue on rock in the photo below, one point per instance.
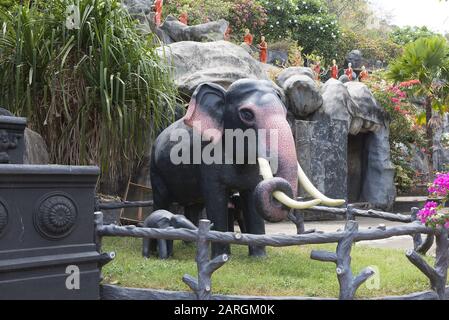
(227, 35)
(364, 75)
(248, 39)
(157, 8)
(349, 72)
(184, 18)
(317, 70)
(263, 47)
(334, 69)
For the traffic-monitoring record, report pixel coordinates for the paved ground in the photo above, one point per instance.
(402, 243)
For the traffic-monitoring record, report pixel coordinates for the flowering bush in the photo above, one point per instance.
(247, 14)
(433, 215)
(440, 186)
(404, 128)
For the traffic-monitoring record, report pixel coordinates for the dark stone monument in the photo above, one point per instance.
(12, 141)
(322, 152)
(47, 232)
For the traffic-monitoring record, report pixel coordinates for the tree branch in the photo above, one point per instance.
(215, 264)
(323, 256)
(422, 265)
(191, 282)
(364, 275)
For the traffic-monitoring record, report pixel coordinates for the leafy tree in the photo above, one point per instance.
(351, 14)
(373, 47)
(363, 29)
(426, 60)
(405, 35)
(307, 21)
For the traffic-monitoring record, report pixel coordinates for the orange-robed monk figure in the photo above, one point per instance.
(263, 46)
(364, 75)
(334, 70)
(248, 39)
(349, 71)
(184, 18)
(317, 70)
(158, 11)
(227, 35)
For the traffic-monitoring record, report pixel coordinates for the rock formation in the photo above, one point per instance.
(219, 62)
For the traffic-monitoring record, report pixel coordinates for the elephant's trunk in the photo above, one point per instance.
(276, 196)
(283, 151)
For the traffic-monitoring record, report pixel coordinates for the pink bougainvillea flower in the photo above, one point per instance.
(395, 100)
(440, 186)
(428, 211)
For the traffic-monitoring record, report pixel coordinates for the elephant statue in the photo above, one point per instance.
(163, 219)
(214, 117)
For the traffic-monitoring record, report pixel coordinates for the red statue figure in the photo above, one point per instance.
(263, 46)
(248, 39)
(364, 75)
(157, 7)
(349, 71)
(227, 35)
(334, 70)
(184, 18)
(317, 70)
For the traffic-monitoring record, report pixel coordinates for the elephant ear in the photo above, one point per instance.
(206, 111)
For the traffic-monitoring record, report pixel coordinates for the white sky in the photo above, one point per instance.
(432, 13)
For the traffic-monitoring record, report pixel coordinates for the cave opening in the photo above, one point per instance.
(357, 166)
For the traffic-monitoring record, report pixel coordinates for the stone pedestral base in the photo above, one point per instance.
(47, 233)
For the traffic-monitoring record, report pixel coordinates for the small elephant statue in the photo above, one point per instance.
(163, 219)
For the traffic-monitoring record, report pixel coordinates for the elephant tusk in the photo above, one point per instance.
(314, 192)
(265, 171)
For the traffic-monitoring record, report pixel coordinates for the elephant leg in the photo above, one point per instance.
(254, 223)
(231, 217)
(161, 198)
(153, 245)
(147, 243)
(148, 247)
(162, 248)
(241, 222)
(170, 247)
(193, 213)
(216, 200)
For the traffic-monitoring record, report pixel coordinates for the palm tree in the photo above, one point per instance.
(427, 60)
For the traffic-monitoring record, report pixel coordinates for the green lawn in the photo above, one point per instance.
(286, 271)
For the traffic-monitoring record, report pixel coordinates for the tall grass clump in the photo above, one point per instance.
(94, 88)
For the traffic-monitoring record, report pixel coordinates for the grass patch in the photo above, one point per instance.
(286, 272)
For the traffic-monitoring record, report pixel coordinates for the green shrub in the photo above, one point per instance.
(199, 11)
(97, 93)
(404, 128)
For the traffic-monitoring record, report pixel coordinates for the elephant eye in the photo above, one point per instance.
(247, 115)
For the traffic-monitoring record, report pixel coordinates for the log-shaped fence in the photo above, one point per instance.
(201, 285)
